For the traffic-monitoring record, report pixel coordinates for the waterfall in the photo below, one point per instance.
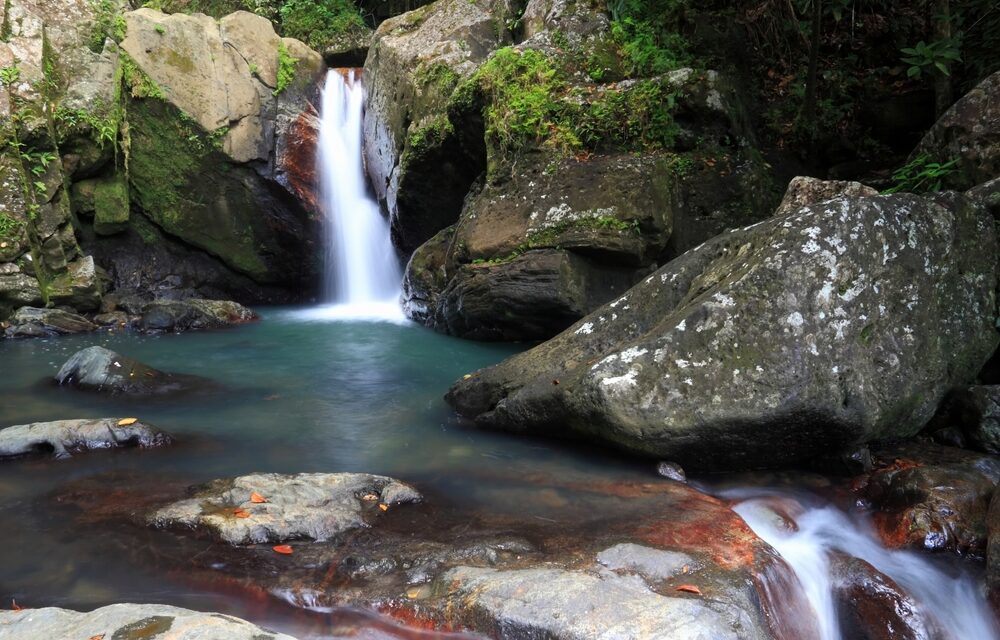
(808, 537)
(362, 271)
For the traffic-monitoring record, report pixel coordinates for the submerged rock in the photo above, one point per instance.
(314, 506)
(838, 323)
(31, 322)
(62, 438)
(871, 606)
(123, 621)
(104, 371)
(193, 313)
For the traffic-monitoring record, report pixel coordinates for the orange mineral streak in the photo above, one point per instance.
(703, 524)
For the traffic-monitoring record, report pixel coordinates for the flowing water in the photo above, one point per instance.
(813, 533)
(363, 271)
(326, 389)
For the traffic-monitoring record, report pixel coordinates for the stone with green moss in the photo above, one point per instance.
(111, 205)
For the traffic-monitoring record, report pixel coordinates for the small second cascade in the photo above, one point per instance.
(809, 538)
(362, 271)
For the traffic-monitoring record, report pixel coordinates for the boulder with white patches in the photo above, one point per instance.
(836, 346)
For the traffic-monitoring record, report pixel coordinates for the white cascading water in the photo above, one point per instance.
(362, 271)
(953, 604)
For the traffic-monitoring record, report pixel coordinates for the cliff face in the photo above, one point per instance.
(173, 151)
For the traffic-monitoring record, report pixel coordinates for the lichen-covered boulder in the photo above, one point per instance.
(968, 132)
(63, 438)
(314, 506)
(101, 370)
(418, 165)
(842, 322)
(129, 621)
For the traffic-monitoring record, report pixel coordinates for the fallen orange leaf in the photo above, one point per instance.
(99, 636)
(15, 606)
(689, 588)
(256, 498)
(124, 422)
(241, 513)
(369, 497)
(283, 549)
(383, 507)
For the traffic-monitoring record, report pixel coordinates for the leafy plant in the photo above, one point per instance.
(934, 57)
(318, 22)
(286, 69)
(10, 75)
(108, 23)
(921, 175)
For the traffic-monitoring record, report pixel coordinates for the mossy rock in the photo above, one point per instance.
(111, 206)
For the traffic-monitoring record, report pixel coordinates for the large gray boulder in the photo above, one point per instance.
(62, 438)
(101, 370)
(315, 506)
(968, 132)
(121, 621)
(840, 322)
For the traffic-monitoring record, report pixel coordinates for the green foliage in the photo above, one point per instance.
(921, 175)
(160, 29)
(935, 57)
(649, 35)
(8, 225)
(318, 22)
(527, 102)
(108, 23)
(428, 137)
(286, 69)
(103, 128)
(10, 75)
(140, 85)
(438, 75)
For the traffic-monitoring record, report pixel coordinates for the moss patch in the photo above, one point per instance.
(178, 178)
(111, 206)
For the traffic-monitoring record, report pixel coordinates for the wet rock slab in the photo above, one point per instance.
(101, 370)
(314, 506)
(579, 605)
(129, 621)
(932, 497)
(62, 438)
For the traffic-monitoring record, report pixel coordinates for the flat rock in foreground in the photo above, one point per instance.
(839, 322)
(315, 506)
(62, 438)
(126, 621)
(580, 605)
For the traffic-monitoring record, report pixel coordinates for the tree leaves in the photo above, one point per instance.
(283, 549)
(256, 498)
(124, 422)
